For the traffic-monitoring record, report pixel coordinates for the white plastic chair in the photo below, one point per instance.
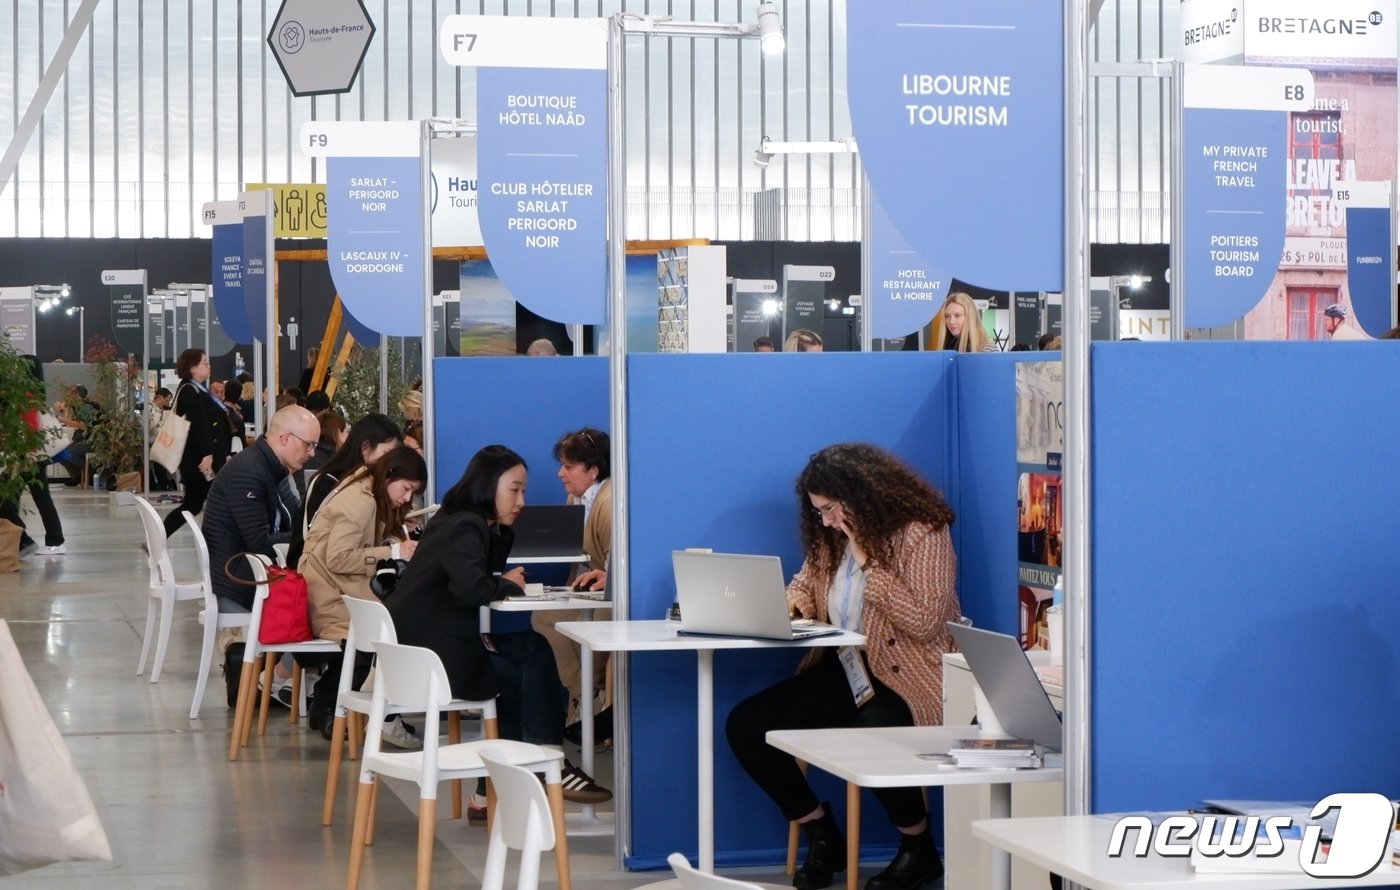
(369, 624)
(521, 823)
(252, 651)
(692, 879)
(220, 620)
(413, 678)
(164, 590)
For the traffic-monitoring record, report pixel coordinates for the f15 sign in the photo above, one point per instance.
(320, 44)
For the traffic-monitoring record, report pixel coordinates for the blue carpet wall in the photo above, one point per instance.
(523, 403)
(985, 493)
(1245, 607)
(716, 444)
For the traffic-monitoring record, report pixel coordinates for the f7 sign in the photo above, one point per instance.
(1360, 841)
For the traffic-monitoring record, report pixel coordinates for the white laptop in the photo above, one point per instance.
(1000, 667)
(735, 595)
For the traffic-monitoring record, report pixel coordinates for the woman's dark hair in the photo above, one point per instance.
(878, 494)
(475, 492)
(590, 447)
(233, 390)
(184, 365)
(332, 425)
(414, 430)
(401, 463)
(317, 401)
(36, 369)
(367, 432)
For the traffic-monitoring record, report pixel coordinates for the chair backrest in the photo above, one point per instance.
(690, 879)
(155, 542)
(201, 549)
(411, 677)
(369, 624)
(258, 563)
(522, 810)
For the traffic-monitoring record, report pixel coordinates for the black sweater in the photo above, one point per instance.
(451, 575)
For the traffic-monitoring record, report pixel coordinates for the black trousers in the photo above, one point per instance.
(818, 698)
(43, 501)
(196, 491)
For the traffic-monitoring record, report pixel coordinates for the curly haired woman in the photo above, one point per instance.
(878, 559)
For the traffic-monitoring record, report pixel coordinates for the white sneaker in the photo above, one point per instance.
(56, 550)
(400, 735)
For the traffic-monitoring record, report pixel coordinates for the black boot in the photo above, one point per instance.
(233, 672)
(826, 852)
(916, 864)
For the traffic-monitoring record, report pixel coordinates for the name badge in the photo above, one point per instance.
(856, 676)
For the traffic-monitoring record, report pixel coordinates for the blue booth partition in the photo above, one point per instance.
(716, 444)
(1244, 606)
(524, 403)
(985, 488)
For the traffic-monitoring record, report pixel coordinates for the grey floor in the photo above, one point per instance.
(177, 812)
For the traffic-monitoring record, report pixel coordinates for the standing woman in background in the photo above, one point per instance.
(961, 323)
(206, 449)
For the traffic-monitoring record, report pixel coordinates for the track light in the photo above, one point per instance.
(770, 29)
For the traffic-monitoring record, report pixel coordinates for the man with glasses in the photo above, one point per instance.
(246, 513)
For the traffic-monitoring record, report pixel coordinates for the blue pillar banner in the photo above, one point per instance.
(1234, 198)
(375, 240)
(226, 281)
(542, 164)
(1370, 279)
(958, 108)
(254, 283)
(907, 292)
(360, 331)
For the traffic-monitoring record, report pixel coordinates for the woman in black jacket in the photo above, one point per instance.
(458, 567)
(207, 446)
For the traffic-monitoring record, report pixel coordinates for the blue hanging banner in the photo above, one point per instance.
(374, 226)
(907, 292)
(226, 269)
(1370, 273)
(542, 162)
(1235, 143)
(543, 168)
(959, 111)
(255, 260)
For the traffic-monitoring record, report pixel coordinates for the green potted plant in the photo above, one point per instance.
(18, 441)
(115, 435)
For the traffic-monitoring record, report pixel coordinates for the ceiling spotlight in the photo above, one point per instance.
(770, 307)
(770, 29)
(64, 291)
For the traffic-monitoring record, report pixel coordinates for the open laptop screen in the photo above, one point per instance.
(1018, 699)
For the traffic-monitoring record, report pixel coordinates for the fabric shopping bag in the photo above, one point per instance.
(46, 815)
(168, 441)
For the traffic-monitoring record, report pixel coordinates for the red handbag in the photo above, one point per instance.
(286, 613)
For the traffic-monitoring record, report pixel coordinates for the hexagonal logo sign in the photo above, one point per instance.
(320, 44)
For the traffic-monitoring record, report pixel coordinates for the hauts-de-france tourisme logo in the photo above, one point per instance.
(292, 37)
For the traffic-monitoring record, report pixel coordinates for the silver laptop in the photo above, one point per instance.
(1001, 668)
(548, 530)
(734, 595)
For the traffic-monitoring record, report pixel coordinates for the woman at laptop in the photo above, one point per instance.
(459, 567)
(878, 559)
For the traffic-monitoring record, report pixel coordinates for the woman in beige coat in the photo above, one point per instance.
(360, 523)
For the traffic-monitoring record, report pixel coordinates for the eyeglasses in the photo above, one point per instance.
(825, 510)
(310, 446)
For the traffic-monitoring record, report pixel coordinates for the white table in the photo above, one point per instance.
(587, 823)
(1076, 847)
(548, 559)
(663, 636)
(888, 757)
